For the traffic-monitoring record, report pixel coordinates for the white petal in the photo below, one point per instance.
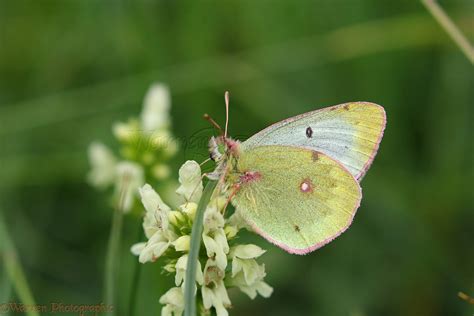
(151, 200)
(199, 274)
(190, 180)
(181, 266)
(264, 289)
(146, 255)
(173, 297)
(221, 259)
(221, 311)
(180, 269)
(213, 219)
(214, 249)
(210, 244)
(236, 266)
(251, 269)
(189, 208)
(136, 249)
(182, 243)
(156, 105)
(167, 310)
(159, 249)
(250, 291)
(247, 251)
(207, 297)
(221, 292)
(221, 240)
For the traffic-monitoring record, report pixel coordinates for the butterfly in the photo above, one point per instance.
(296, 183)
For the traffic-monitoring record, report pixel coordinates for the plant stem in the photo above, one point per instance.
(111, 264)
(13, 268)
(136, 276)
(453, 31)
(189, 290)
(113, 249)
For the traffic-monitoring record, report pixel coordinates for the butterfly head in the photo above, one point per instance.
(223, 147)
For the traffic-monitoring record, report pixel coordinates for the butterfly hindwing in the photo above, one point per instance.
(349, 133)
(299, 199)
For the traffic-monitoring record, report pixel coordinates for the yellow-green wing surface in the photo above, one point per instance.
(298, 199)
(349, 133)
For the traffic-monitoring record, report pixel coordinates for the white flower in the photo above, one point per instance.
(251, 290)
(157, 214)
(129, 178)
(246, 251)
(214, 237)
(174, 302)
(242, 260)
(103, 165)
(190, 180)
(152, 200)
(156, 105)
(181, 266)
(153, 248)
(137, 248)
(247, 275)
(214, 292)
(213, 218)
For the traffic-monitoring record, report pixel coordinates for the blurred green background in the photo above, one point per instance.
(69, 69)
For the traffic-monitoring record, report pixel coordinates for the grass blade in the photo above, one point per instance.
(453, 31)
(14, 269)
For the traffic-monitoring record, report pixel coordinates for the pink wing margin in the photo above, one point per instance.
(377, 143)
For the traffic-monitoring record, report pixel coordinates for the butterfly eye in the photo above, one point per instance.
(309, 132)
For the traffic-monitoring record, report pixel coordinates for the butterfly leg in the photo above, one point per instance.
(234, 191)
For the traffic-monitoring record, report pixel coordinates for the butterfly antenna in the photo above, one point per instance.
(210, 120)
(226, 97)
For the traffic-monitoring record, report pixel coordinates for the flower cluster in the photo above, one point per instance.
(222, 265)
(146, 145)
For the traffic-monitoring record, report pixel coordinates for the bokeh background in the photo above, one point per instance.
(69, 69)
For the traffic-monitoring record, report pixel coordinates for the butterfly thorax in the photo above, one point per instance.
(226, 153)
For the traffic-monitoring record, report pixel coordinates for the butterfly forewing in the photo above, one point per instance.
(299, 199)
(350, 133)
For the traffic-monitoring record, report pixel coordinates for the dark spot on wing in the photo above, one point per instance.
(297, 228)
(346, 107)
(315, 156)
(309, 132)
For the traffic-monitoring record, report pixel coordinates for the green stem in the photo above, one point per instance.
(189, 290)
(453, 31)
(13, 268)
(136, 276)
(111, 264)
(113, 250)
